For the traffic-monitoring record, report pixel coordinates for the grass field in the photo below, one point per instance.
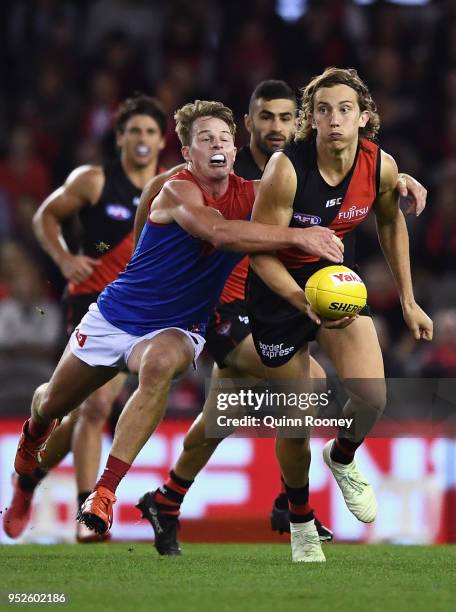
(233, 577)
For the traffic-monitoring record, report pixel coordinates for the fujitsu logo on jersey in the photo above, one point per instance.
(345, 277)
(304, 219)
(353, 213)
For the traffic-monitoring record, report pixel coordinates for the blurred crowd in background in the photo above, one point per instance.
(65, 65)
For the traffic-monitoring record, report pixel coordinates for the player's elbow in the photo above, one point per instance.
(37, 221)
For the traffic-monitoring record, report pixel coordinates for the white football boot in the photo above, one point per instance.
(305, 543)
(358, 493)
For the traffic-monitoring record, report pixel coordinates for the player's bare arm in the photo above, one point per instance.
(182, 202)
(149, 192)
(413, 192)
(274, 205)
(393, 237)
(83, 187)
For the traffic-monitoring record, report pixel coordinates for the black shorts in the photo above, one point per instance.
(227, 327)
(75, 307)
(279, 329)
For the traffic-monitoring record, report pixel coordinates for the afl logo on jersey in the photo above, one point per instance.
(118, 212)
(304, 219)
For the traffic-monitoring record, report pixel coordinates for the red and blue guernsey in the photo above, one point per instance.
(173, 278)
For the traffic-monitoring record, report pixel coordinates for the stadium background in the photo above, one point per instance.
(64, 67)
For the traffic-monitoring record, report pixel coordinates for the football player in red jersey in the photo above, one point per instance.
(105, 198)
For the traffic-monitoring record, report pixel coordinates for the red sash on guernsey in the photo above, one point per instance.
(357, 202)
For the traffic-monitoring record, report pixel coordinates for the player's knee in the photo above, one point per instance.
(371, 394)
(157, 367)
(96, 410)
(317, 373)
(379, 401)
(377, 398)
(39, 394)
(47, 406)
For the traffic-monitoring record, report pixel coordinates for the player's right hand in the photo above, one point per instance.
(77, 268)
(321, 242)
(328, 323)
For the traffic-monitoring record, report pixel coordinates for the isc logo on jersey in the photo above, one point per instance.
(333, 202)
(335, 292)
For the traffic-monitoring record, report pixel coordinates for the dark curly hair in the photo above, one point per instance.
(140, 104)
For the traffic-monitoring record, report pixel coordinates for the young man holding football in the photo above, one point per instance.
(333, 158)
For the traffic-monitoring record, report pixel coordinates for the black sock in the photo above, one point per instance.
(30, 482)
(82, 497)
(170, 495)
(298, 502)
(343, 450)
(281, 501)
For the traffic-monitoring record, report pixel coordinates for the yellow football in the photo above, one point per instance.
(335, 292)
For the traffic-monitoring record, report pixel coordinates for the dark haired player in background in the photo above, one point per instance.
(105, 198)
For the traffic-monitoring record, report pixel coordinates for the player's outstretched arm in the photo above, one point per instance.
(413, 192)
(149, 192)
(182, 202)
(83, 187)
(393, 237)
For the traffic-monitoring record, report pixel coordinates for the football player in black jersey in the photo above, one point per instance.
(105, 198)
(333, 153)
(271, 123)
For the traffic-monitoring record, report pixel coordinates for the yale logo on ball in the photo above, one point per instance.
(335, 292)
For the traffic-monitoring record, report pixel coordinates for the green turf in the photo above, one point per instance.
(234, 577)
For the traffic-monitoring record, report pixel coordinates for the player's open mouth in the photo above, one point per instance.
(275, 141)
(142, 150)
(217, 160)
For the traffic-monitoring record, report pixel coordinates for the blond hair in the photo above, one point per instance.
(329, 78)
(189, 113)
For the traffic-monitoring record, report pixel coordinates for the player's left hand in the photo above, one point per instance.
(418, 322)
(412, 193)
(339, 323)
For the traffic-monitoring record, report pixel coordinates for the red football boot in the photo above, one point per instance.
(17, 515)
(96, 511)
(28, 454)
(84, 535)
